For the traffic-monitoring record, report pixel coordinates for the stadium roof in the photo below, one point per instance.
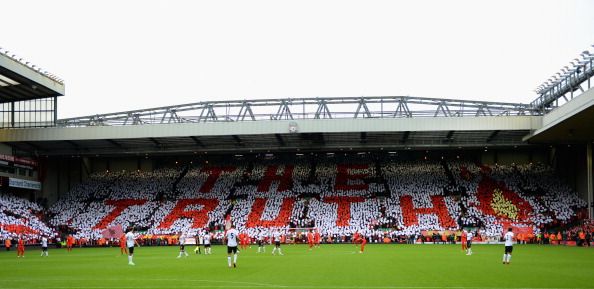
(567, 99)
(278, 142)
(20, 80)
(572, 80)
(571, 123)
(310, 124)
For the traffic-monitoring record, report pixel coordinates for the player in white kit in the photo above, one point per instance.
(207, 248)
(44, 246)
(199, 242)
(277, 238)
(509, 245)
(130, 241)
(260, 242)
(231, 237)
(469, 237)
(182, 246)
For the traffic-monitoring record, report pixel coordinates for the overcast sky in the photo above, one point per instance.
(118, 55)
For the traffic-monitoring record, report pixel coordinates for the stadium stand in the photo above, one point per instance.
(337, 195)
(22, 217)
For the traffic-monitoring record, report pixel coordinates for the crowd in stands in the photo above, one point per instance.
(528, 194)
(380, 199)
(19, 216)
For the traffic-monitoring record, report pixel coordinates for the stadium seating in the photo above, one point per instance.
(337, 195)
(22, 217)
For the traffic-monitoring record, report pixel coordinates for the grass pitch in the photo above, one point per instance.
(331, 266)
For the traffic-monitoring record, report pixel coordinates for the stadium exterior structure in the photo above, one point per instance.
(28, 94)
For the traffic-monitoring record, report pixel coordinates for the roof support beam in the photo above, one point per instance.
(172, 116)
(34, 146)
(308, 108)
(323, 111)
(246, 109)
(237, 139)
(210, 113)
(280, 140)
(114, 143)
(449, 136)
(442, 108)
(405, 137)
(8, 92)
(493, 135)
(197, 141)
(73, 144)
(363, 137)
(283, 111)
(402, 109)
(363, 105)
(157, 143)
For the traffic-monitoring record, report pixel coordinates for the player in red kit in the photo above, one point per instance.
(363, 243)
(69, 243)
(463, 240)
(359, 238)
(123, 249)
(356, 238)
(310, 239)
(243, 241)
(317, 238)
(21, 247)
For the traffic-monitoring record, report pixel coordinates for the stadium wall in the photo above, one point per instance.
(517, 156)
(17, 170)
(5, 150)
(570, 163)
(62, 174)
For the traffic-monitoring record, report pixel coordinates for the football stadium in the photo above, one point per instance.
(320, 192)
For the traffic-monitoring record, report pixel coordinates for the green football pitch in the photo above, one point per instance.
(331, 266)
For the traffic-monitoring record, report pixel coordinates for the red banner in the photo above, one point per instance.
(517, 229)
(113, 232)
(19, 229)
(17, 160)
